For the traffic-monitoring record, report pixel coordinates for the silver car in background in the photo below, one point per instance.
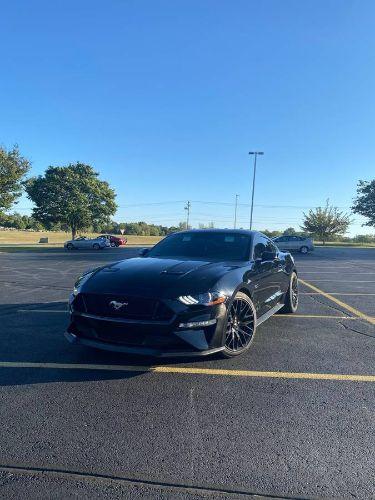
(297, 243)
(87, 243)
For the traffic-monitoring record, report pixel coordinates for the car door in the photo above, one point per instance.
(78, 243)
(277, 278)
(281, 242)
(86, 243)
(264, 275)
(294, 243)
(93, 241)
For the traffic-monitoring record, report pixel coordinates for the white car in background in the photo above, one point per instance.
(87, 243)
(297, 243)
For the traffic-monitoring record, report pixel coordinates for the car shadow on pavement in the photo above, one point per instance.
(33, 333)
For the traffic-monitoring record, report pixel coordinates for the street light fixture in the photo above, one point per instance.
(255, 153)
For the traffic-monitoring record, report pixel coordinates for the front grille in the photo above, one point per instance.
(121, 334)
(137, 308)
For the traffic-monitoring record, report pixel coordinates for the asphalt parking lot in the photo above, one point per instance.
(294, 417)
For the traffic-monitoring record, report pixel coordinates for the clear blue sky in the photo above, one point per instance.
(165, 99)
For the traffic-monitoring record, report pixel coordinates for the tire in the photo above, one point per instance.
(69, 246)
(96, 246)
(238, 340)
(291, 296)
(304, 250)
(113, 244)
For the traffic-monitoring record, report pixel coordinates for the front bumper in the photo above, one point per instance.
(163, 338)
(143, 351)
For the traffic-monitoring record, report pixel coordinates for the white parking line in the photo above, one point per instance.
(339, 293)
(42, 311)
(334, 272)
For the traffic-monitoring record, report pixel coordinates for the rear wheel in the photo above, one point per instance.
(291, 297)
(304, 249)
(240, 326)
(69, 246)
(96, 246)
(113, 244)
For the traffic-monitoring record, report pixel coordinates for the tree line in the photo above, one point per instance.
(73, 198)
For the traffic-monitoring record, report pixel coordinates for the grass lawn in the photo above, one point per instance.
(25, 240)
(344, 244)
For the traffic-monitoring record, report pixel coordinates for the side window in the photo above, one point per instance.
(262, 244)
(270, 247)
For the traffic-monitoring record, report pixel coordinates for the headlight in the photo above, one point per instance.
(205, 299)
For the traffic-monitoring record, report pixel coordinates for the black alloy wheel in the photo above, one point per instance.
(69, 246)
(291, 297)
(240, 327)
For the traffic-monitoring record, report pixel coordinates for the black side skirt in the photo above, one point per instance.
(269, 313)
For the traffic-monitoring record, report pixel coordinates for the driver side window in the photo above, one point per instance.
(260, 246)
(263, 244)
(271, 247)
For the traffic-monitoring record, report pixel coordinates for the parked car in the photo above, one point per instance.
(299, 243)
(195, 293)
(115, 241)
(84, 242)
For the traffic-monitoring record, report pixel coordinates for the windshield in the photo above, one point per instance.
(204, 245)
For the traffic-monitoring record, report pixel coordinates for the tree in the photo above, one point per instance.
(210, 225)
(271, 234)
(364, 204)
(325, 222)
(71, 195)
(13, 168)
(290, 231)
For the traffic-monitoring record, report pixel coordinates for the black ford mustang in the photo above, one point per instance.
(195, 293)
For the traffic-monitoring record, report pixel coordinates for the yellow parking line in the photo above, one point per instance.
(345, 281)
(192, 371)
(349, 308)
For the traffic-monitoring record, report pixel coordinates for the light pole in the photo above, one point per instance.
(187, 208)
(235, 212)
(255, 153)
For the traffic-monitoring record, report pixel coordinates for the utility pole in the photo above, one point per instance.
(187, 208)
(235, 212)
(255, 153)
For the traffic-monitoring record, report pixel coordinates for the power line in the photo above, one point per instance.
(301, 207)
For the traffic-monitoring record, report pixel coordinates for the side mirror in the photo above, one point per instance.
(143, 252)
(268, 255)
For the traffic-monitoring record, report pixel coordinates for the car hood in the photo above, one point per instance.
(165, 278)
